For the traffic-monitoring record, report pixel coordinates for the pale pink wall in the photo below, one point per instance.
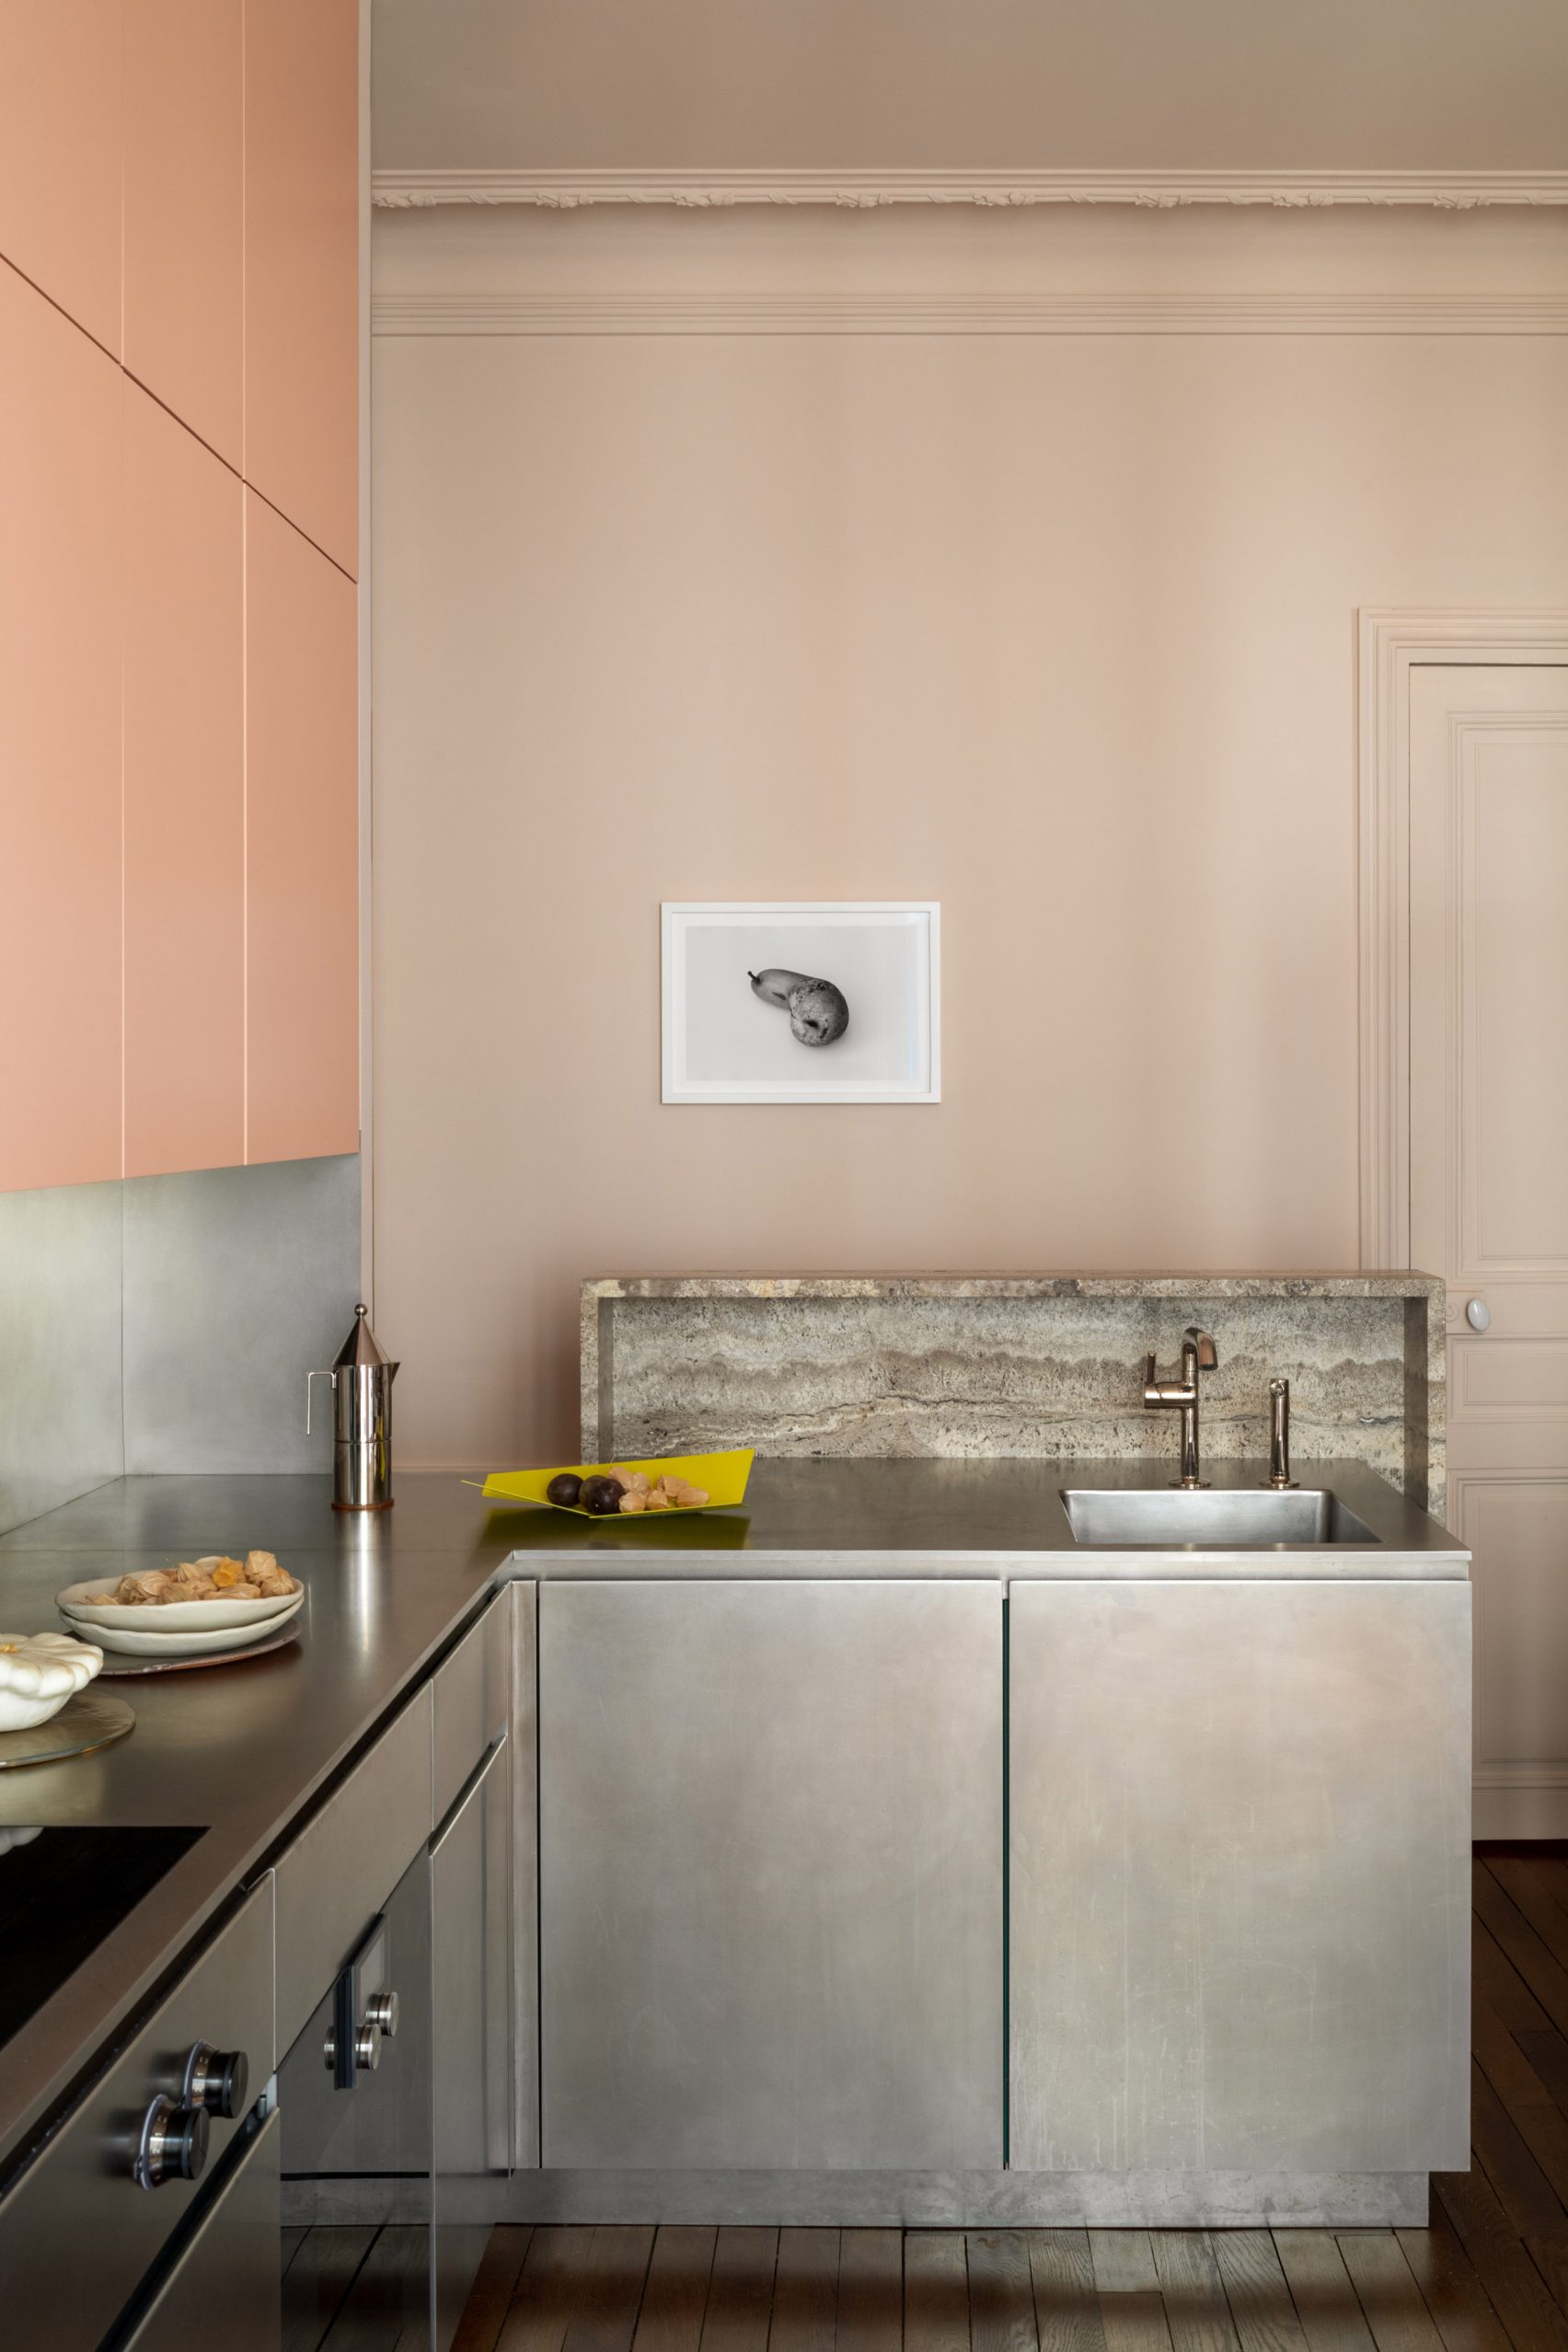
(1056, 629)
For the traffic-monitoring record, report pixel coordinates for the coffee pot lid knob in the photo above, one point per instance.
(361, 1346)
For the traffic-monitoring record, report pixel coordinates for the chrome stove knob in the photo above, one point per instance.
(380, 2010)
(173, 2145)
(367, 2049)
(217, 2080)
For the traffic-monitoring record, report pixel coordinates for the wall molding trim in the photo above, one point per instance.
(861, 190)
(1390, 642)
(748, 311)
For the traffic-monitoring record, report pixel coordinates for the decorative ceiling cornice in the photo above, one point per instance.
(858, 191)
(829, 311)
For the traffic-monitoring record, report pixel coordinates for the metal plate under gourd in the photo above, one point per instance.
(119, 1665)
(92, 1719)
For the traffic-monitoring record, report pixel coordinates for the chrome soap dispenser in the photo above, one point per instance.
(362, 1377)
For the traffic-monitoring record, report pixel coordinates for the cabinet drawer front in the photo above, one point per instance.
(345, 1863)
(471, 2071)
(76, 2232)
(523, 1742)
(1240, 1828)
(471, 1693)
(225, 2285)
(770, 1874)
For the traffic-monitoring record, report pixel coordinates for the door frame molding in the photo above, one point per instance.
(1390, 642)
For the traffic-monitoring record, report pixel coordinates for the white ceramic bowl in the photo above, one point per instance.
(77, 1603)
(137, 1642)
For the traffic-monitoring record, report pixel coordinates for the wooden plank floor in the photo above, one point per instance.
(1490, 2272)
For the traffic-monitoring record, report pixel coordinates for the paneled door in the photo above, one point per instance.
(1489, 1186)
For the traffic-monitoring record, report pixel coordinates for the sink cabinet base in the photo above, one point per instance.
(977, 2200)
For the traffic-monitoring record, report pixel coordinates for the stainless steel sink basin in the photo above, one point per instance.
(1250, 1520)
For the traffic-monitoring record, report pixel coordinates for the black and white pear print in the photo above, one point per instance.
(819, 1013)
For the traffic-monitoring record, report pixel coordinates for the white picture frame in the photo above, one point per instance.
(724, 1041)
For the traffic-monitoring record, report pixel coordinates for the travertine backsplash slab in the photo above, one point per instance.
(1045, 1365)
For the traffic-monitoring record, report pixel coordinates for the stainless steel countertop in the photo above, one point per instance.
(243, 1750)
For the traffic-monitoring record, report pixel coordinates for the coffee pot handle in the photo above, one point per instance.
(308, 1378)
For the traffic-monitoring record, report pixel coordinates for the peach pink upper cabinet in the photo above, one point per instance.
(179, 315)
(184, 788)
(60, 480)
(302, 846)
(61, 109)
(302, 266)
(184, 127)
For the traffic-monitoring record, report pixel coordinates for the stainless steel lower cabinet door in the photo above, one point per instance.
(470, 2030)
(222, 2287)
(378, 2131)
(771, 1874)
(1239, 1916)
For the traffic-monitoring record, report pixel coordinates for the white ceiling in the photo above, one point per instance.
(1418, 85)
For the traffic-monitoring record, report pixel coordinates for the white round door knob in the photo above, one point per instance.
(1477, 1315)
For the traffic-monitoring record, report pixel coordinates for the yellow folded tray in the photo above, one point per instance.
(724, 1475)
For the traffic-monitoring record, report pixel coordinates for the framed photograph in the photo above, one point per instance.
(785, 1003)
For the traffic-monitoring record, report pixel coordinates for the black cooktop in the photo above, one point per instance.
(62, 1891)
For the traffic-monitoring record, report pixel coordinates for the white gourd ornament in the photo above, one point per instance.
(38, 1673)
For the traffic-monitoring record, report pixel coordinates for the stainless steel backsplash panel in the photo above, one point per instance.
(167, 1323)
(238, 1280)
(61, 1421)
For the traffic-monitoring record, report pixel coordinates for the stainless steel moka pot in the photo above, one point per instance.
(362, 1379)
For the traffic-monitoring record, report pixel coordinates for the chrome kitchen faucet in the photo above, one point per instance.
(1279, 1435)
(1199, 1354)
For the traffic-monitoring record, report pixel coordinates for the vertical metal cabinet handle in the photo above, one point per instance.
(173, 2144)
(1477, 1315)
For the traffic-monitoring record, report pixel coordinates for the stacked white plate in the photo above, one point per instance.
(173, 1628)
